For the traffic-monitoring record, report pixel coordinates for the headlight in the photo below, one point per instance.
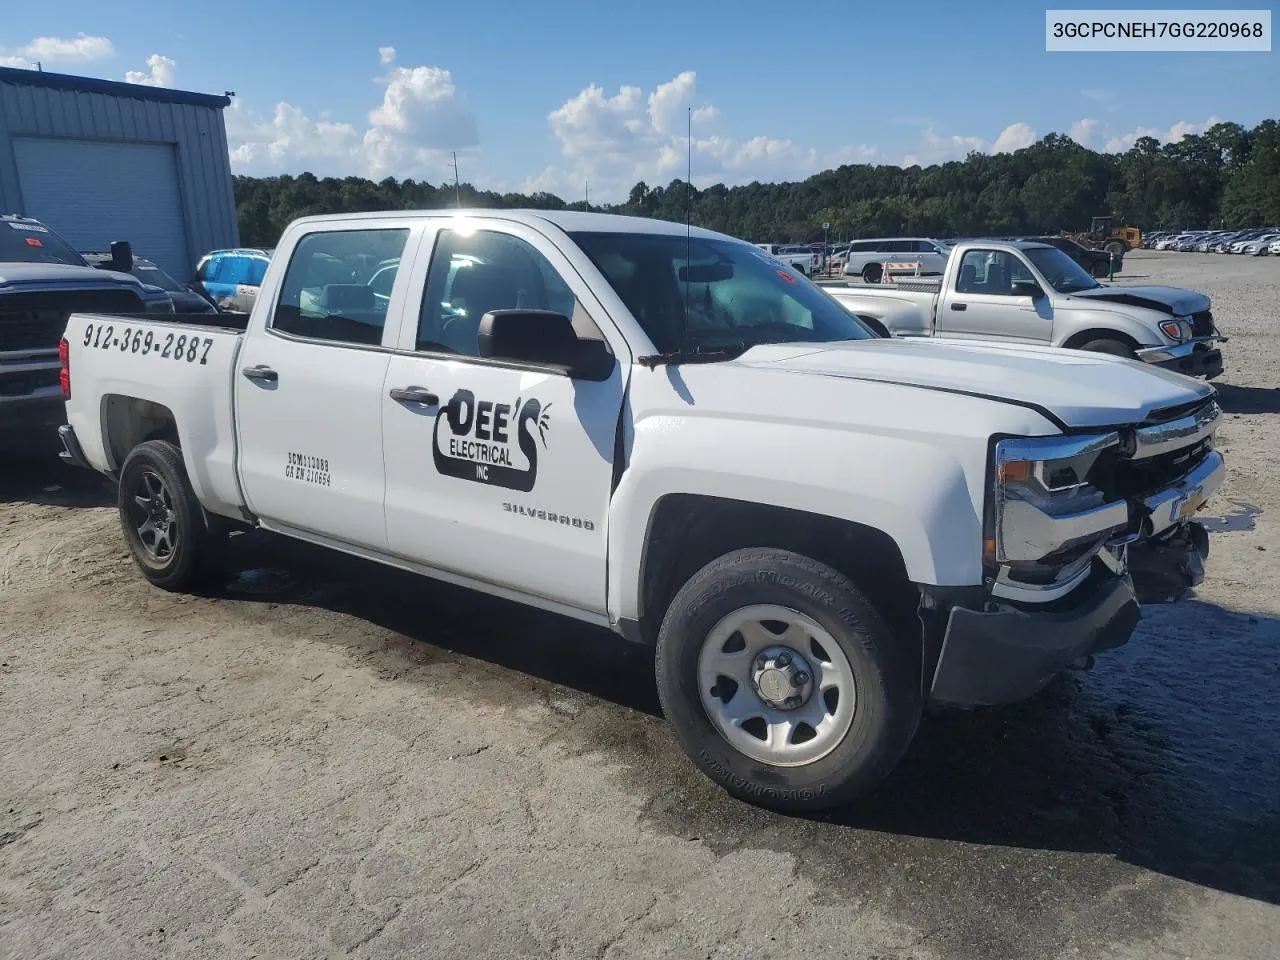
(1179, 328)
(1046, 520)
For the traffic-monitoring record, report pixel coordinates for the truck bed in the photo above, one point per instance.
(177, 366)
(232, 322)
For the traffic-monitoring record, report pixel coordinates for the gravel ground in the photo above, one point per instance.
(328, 759)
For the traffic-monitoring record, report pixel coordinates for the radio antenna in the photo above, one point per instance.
(457, 186)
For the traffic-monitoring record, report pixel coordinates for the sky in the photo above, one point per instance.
(577, 97)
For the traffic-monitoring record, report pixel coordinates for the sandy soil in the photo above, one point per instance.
(327, 759)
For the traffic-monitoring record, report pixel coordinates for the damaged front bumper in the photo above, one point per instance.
(1194, 358)
(988, 651)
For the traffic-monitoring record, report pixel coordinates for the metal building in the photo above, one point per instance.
(99, 160)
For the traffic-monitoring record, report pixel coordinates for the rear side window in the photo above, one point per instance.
(863, 246)
(327, 292)
(255, 271)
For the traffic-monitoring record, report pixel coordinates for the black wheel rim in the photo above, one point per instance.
(153, 517)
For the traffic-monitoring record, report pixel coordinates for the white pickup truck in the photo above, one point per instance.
(676, 437)
(804, 259)
(1026, 292)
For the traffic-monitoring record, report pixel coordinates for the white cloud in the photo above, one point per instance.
(1182, 128)
(386, 55)
(81, 48)
(162, 72)
(1083, 131)
(936, 149)
(1016, 136)
(410, 133)
(614, 141)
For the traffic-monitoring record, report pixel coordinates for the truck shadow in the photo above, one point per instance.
(1166, 757)
(40, 477)
(1234, 399)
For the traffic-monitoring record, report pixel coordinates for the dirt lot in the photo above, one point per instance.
(327, 759)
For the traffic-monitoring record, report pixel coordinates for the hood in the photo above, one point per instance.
(63, 275)
(1075, 388)
(1171, 300)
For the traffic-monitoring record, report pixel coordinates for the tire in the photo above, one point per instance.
(872, 273)
(1101, 268)
(180, 552)
(1116, 248)
(1117, 348)
(879, 684)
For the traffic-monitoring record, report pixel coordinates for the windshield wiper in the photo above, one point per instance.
(698, 354)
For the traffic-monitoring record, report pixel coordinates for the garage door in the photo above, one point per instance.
(93, 192)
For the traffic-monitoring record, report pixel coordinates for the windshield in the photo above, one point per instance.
(714, 293)
(1063, 273)
(149, 273)
(26, 242)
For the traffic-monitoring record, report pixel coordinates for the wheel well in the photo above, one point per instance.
(688, 531)
(128, 421)
(1077, 340)
(874, 324)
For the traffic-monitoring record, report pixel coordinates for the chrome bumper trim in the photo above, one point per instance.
(1163, 354)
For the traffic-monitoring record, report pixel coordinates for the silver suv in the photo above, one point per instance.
(866, 258)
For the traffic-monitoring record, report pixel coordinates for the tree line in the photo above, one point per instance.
(1227, 176)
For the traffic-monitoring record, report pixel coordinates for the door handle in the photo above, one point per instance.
(959, 306)
(415, 395)
(261, 373)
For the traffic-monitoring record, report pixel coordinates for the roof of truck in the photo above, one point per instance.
(570, 221)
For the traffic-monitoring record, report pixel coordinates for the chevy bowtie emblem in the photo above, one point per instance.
(1191, 501)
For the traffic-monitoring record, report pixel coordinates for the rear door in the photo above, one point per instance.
(310, 381)
(501, 471)
(981, 302)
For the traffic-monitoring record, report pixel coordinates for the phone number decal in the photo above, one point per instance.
(185, 347)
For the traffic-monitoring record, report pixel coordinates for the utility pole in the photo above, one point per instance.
(457, 186)
(586, 196)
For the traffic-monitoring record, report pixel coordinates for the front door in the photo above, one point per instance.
(984, 301)
(309, 387)
(500, 471)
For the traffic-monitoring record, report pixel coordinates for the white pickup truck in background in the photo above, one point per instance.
(673, 436)
(804, 259)
(1023, 292)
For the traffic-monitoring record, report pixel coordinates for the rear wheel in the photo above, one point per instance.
(1117, 348)
(783, 683)
(1101, 268)
(1116, 248)
(163, 521)
(872, 273)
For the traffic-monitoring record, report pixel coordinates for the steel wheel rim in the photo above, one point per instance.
(733, 650)
(153, 517)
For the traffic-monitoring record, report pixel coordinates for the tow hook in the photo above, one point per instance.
(1165, 568)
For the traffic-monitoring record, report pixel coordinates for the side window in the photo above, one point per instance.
(486, 270)
(255, 272)
(863, 246)
(326, 293)
(990, 272)
(924, 246)
(208, 272)
(234, 270)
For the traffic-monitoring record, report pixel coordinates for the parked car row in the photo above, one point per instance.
(1255, 242)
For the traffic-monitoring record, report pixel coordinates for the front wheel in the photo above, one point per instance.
(1117, 348)
(163, 521)
(783, 682)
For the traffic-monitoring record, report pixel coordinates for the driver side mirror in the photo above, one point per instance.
(1027, 288)
(543, 337)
